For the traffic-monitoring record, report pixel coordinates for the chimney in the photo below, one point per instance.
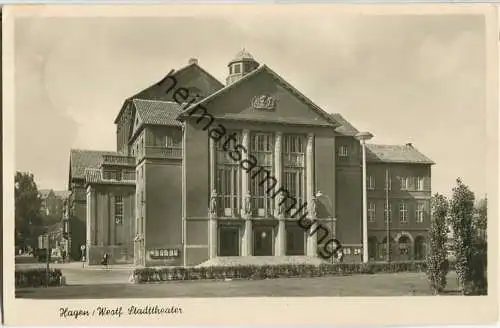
(193, 61)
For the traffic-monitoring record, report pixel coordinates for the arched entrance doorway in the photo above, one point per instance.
(372, 248)
(420, 249)
(404, 248)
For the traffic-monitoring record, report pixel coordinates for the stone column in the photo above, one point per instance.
(246, 211)
(311, 239)
(278, 208)
(213, 206)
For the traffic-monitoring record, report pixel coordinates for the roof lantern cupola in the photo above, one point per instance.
(242, 64)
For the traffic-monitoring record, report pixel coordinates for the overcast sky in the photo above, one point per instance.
(416, 79)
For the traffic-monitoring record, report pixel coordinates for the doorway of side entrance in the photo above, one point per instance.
(229, 240)
(263, 241)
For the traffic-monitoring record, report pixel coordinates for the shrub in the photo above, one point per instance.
(37, 278)
(149, 275)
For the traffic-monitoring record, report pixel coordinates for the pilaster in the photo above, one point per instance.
(311, 201)
(246, 210)
(247, 238)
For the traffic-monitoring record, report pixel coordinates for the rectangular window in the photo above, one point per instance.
(371, 182)
(173, 139)
(237, 68)
(118, 210)
(228, 180)
(387, 212)
(262, 148)
(420, 213)
(343, 152)
(371, 212)
(403, 213)
(420, 183)
(294, 171)
(404, 183)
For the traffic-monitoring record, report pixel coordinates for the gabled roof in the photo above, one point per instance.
(154, 112)
(345, 128)
(81, 159)
(396, 154)
(157, 112)
(283, 82)
(148, 92)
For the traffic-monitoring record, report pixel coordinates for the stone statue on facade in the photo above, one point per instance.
(213, 204)
(313, 210)
(139, 237)
(280, 206)
(246, 208)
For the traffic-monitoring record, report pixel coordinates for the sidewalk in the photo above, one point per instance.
(76, 266)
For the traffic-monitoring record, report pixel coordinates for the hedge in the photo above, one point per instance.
(38, 277)
(152, 275)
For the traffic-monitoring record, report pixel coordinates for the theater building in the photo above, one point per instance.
(205, 170)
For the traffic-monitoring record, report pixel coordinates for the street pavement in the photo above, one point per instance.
(76, 274)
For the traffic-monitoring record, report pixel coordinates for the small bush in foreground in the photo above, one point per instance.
(37, 277)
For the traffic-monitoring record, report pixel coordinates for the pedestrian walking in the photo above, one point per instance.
(105, 260)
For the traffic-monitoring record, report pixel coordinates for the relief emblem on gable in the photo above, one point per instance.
(264, 102)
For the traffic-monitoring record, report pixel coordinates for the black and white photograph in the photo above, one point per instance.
(250, 152)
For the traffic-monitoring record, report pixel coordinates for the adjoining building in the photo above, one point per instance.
(196, 161)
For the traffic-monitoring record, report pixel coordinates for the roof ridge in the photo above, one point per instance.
(154, 100)
(93, 150)
(320, 111)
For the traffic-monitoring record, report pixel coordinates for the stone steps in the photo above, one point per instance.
(261, 261)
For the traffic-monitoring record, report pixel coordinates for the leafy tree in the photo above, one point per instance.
(478, 265)
(462, 211)
(28, 219)
(437, 263)
(481, 218)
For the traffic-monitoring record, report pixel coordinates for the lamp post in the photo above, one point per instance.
(362, 137)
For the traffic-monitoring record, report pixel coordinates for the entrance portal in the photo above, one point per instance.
(263, 241)
(229, 241)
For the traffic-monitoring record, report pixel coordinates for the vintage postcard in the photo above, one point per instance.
(250, 164)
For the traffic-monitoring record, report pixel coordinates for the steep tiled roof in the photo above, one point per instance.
(81, 159)
(395, 154)
(345, 128)
(158, 112)
(152, 91)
